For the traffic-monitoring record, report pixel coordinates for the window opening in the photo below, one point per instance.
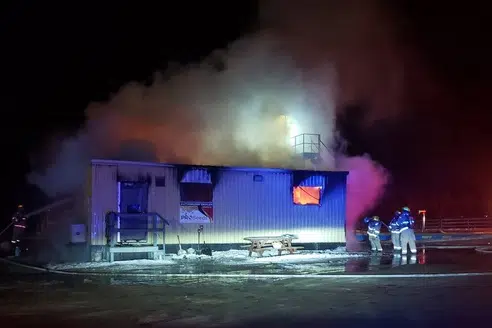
(307, 195)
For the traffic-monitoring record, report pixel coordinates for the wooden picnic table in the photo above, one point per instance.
(280, 243)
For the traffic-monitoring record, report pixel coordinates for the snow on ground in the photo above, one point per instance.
(302, 257)
(93, 265)
(231, 257)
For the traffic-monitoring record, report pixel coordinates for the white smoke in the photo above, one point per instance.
(243, 115)
(272, 87)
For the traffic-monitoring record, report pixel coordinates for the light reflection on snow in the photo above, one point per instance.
(231, 257)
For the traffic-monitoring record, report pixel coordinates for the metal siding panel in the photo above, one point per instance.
(314, 181)
(132, 172)
(104, 199)
(197, 176)
(243, 207)
(335, 198)
(165, 200)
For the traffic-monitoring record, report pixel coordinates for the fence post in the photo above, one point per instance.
(423, 219)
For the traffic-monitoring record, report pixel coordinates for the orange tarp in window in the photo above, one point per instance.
(307, 195)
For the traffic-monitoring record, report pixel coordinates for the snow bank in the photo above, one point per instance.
(303, 257)
(95, 265)
(231, 257)
(236, 256)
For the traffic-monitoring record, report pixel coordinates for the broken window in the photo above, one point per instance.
(303, 195)
(196, 192)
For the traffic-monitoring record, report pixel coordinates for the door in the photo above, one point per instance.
(134, 199)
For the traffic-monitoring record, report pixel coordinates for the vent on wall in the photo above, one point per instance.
(257, 178)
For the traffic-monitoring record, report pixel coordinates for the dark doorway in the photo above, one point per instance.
(133, 198)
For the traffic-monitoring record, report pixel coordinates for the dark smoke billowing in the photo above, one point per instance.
(303, 67)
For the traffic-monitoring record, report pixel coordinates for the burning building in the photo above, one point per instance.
(254, 113)
(231, 203)
(148, 208)
(144, 207)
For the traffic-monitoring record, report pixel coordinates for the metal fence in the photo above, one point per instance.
(447, 224)
(456, 224)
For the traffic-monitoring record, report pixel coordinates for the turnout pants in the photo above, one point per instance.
(408, 240)
(375, 243)
(395, 239)
(17, 233)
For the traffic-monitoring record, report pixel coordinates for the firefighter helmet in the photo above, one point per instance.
(405, 209)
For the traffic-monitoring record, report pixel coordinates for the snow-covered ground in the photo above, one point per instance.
(231, 257)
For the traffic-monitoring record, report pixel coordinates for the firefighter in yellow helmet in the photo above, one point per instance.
(373, 230)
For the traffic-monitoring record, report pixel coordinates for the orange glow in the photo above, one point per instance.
(307, 195)
(169, 141)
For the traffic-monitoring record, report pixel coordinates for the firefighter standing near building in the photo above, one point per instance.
(395, 232)
(373, 230)
(407, 235)
(19, 221)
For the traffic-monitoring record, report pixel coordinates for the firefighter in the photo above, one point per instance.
(395, 232)
(407, 235)
(373, 230)
(404, 260)
(19, 222)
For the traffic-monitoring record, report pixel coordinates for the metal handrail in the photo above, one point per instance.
(312, 145)
(112, 230)
(476, 224)
(136, 215)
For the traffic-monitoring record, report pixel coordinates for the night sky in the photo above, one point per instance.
(56, 58)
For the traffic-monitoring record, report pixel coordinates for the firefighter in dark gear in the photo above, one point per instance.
(373, 230)
(19, 222)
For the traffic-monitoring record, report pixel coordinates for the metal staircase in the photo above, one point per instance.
(308, 147)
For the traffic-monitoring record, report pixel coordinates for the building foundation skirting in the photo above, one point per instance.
(104, 253)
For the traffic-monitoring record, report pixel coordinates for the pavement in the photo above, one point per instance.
(62, 301)
(152, 299)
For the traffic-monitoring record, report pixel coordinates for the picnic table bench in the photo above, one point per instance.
(280, 243)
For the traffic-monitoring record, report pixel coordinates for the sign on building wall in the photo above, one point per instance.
(195, 213)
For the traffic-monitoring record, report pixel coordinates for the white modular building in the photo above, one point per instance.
(152, 204)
